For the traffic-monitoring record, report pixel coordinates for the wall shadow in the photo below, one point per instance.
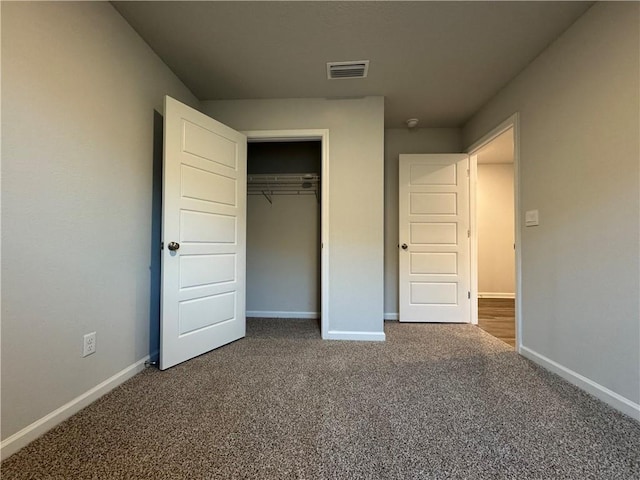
(156, 239)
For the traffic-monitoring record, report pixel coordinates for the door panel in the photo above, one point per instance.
(434, 233)
(208, 144)
(427, 174)
(204, 270)
(204, 227)
(204, 211)
(200, 313)
(434, 225)
(434, 263)
(207, 186)
(433, 293)
(432, 203)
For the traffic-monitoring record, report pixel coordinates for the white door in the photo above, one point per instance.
(204, 234)
(434, 267)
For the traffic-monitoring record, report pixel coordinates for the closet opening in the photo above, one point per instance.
(285, 228)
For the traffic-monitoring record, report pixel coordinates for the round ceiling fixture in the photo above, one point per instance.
(412, 122)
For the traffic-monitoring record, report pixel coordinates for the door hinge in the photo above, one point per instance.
(162, 246)
(469, 295)
(468, 233)
(468, 173)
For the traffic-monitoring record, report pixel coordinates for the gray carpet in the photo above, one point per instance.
(432, 402)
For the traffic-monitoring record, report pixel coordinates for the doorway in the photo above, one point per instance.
(283, 229)
(494, 169)
(287, 225)
(496, 238)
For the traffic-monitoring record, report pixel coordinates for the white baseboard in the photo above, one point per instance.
(617, 401)
(15, 442)
(362, 336)
(272, 314)
(392, 316)
(496, 295)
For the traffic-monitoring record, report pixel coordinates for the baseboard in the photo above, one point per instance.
(392, 316)
(272, 314)
(496, 295)
(610, 397)
(15, 442)
(361, 336)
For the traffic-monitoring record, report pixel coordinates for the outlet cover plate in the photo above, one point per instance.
(531, 218)
(89, 344)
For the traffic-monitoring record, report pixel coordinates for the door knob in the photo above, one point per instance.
(173, 246)
(404, 246)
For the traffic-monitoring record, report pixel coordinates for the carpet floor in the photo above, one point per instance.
(432, 402)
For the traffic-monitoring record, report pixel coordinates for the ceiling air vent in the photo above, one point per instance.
(337, 70)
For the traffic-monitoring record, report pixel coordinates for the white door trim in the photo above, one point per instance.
(323, 136)
(512, 122)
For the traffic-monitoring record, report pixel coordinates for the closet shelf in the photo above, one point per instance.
(283, 184)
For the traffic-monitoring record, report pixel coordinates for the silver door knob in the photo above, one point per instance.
(404, 246)
(173, 246)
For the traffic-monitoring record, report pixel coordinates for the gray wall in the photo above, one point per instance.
(283, 255)
(356, 156)
(79, 89)
(579, 154)
(397, 141)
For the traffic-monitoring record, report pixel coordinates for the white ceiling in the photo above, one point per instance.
(437, 61)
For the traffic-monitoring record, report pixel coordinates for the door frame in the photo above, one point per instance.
(321, 135)
(513, 122)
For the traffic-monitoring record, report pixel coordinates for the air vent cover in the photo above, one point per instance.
(340, 70)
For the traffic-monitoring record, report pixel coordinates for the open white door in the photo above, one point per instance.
(204, 234)
(434, 238)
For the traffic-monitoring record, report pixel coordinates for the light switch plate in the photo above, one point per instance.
(531, 218)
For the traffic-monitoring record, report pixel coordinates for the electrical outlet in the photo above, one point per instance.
(89, 345)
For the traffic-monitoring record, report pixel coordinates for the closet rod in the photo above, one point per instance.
(283, 184)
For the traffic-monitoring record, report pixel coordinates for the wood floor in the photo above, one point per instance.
(496, 316)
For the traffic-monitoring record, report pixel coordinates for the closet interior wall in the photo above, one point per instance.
(283, 229)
